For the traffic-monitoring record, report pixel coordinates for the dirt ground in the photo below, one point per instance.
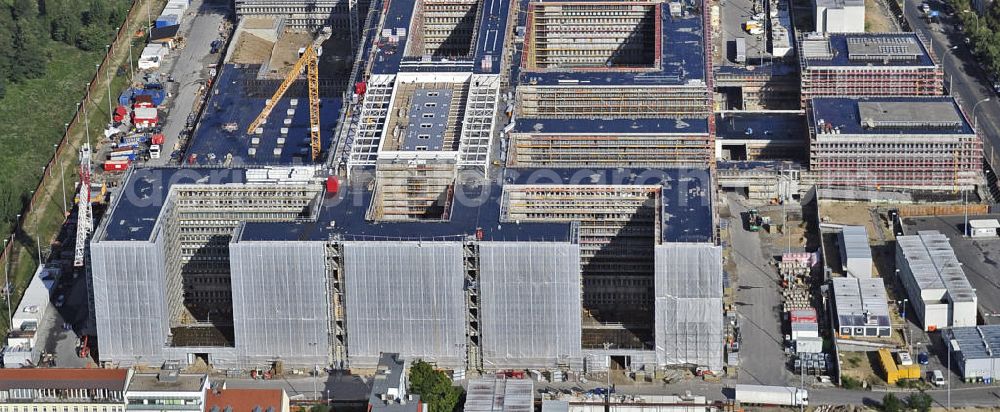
(875, 19)
(251, 49)
(286, 51)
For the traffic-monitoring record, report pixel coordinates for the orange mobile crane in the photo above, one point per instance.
(310, 62)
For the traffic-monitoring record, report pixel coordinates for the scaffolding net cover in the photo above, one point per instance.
(689, 304)
(530, 304)
(405, 297)
(280, 302)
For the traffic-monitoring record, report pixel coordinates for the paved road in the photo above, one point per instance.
(962, 74)
(758, 304)
(189, 68)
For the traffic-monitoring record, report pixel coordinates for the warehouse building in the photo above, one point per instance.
(973, 350)
(855, 253)
(839, 16)
(861, 307)
(908, 143)
(500, 394)
(867, 65)
(934, 279)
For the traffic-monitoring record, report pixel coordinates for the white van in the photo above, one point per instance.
(154, 151)
(937, 378)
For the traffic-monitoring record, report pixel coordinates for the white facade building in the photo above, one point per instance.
(935, 281)
(839, 16)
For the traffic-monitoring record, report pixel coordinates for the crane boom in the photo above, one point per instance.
(307, 56)
(84, 221)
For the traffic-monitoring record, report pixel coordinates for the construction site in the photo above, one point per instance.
(867, 65)
(436, 195)
(894, 142)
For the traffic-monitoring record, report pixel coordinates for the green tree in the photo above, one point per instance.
(30, 55)
(890, 403)
(25, 9)
(919, 401)
(64, 22)
(434, 387)
(92, 37)
(6, 41)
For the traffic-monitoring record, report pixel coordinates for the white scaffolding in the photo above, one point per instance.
(689, 304)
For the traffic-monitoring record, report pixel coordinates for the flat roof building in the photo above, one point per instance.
(973, 349)
(861, 307)
(500, 395)
(922, 143)
(867, 65)
(855, 253)
(935, 281)
(839, 16)
(166, 390)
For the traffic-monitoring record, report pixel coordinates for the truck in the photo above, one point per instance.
(754, 221)
(771, 395)
(122, 154)
(116, 165)
(925, 8)
(154, 151)
(741, 50)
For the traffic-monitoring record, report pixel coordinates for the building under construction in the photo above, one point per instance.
(634, 94)
(867, 65)
(299, 14)
(893, 142)
(436, 239)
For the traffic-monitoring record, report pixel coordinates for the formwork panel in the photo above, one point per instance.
(130, 307)
(405, 297)
(280, 302)
(688, 295)
(530, 306)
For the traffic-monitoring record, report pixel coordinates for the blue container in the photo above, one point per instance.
(166, 20)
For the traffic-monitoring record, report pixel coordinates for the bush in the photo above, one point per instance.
(890, 403)
(850, 383)
(919, 401)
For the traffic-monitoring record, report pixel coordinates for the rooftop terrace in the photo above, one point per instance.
(937, 115)
(863, 49)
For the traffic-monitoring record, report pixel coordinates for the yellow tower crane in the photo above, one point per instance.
(310, 63)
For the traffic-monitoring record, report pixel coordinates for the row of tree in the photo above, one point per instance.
(983, 30)
(27, 27)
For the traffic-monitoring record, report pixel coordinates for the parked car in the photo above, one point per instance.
(60, 300)
(937, 378)
(923, 358)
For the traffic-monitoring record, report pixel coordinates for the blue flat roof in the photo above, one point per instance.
(489, 42)
(762, 126)
(230, 103)
(137, 206)
(688, 126)
(492, 36)
(682, 58)
(838, 45)
(475, 207)
(686, 199)
(843, 113)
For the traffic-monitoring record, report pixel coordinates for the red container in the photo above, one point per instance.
(116, 165)
(802, 315)
(157, 139)
(360, 88)
(332, 185)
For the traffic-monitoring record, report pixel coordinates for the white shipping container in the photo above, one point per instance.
(809, 345)
(804, 330)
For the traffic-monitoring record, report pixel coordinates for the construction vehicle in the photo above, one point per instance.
(83, 350)
(754, 221)
(308, 61)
